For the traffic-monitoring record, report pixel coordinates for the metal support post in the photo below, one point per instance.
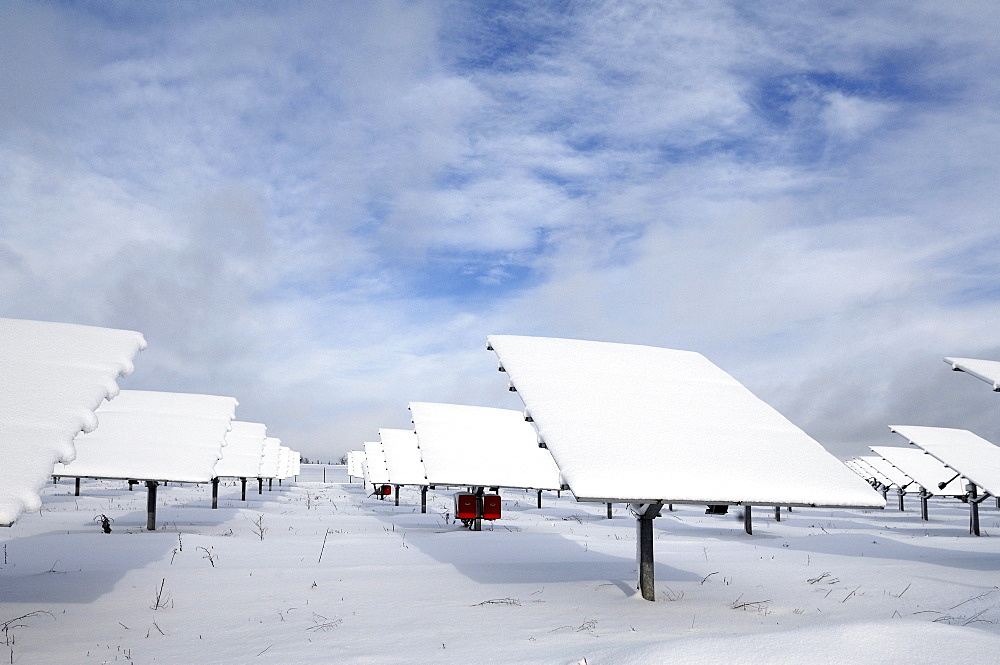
(260, 485)
(777, 513)
(901, 494)
(151, 505)
(644, 516)
(924, 494)
(397, 495)
(215, 493)
(748, 520)
(973, 509)
(423, 499)
(270, 484)
(77, 487)
(243, 483)
(609, 511)
(539, 499)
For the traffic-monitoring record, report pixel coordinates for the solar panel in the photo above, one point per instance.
(271, 458)
(889, 475)
(147, 435)
(376, 471)
(481, 447)
(54, 375)
(628, 423)
(355, 463)
(861, 469)
(973, 456)
(243, 452)
(984, 370)
(402, 457)
(923, 468)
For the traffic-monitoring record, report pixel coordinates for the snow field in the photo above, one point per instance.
(341, 577)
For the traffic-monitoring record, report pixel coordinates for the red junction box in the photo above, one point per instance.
(465, 506)
(491, 506)
(385, 490)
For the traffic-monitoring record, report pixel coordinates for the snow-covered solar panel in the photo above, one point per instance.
(402, 457)
(52, 378)
(355, 463)
(923, 468)
(862, 470)
(984, 370)
(973, 456)
(889, 475)
(870, 473)
(296, 466)
(376, 471)
(146, 435)
(244, 450)
(284, 462)
(482, 447)
(269, 460)
(649, 425)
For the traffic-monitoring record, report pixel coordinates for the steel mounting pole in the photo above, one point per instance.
(748, 520)
(215, 493)
(645, 513)
(151, 505)
(973, 509)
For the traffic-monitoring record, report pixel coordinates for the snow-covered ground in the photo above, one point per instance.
(316, 572)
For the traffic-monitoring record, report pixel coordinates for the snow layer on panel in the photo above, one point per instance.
(243, 452)
(296, 463)
(377, 472)
(402, 457)
(639, 423)
(923, 468)
(481, 446)
(269, 460)
(54, 375)
(355, 463)
(149, 435)
(973, 456)
(985, 370)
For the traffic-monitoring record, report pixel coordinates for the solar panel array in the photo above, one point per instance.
(969, 454)
(924, 469)
(149, 435)
(244, 451)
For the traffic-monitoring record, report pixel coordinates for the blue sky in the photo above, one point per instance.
(322, 209)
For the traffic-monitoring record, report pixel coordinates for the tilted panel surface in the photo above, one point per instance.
(640, 423)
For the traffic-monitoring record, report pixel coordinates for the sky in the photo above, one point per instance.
(323, 208)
